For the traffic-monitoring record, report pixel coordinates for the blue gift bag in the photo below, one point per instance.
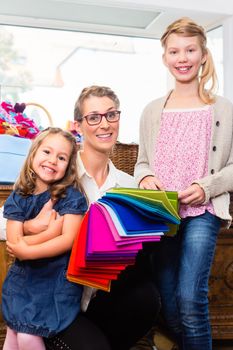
(13, 151)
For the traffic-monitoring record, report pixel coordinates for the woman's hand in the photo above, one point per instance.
(193, 195)
(151, 183)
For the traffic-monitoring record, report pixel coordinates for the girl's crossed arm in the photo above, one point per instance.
(53, 247)
(54, 229)
(40, 222)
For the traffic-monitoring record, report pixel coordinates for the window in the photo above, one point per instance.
(50, 67)
(215, 44)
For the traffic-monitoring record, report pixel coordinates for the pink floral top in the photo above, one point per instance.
(182, 149)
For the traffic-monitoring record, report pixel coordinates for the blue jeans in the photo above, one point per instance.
(182, 267)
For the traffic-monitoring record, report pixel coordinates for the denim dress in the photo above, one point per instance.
(36, 296)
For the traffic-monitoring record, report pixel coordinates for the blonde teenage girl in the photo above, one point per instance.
(186, 145)
(37, 299)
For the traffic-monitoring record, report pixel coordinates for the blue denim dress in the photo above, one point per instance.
(36, 296)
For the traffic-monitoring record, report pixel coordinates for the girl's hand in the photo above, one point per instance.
(40, 222)
(151, 183)
(55, 224)
(54, 229)
(193, 195)
(20, 250)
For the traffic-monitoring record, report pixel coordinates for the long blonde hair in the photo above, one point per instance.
(26, 183)
(187, 27)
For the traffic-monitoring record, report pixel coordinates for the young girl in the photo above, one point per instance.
(186, 145)
(37, 299)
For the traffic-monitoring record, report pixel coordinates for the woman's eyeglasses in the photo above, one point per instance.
(96, 118)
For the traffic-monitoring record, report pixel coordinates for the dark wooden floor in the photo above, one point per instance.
(164, 342)
(223, 344)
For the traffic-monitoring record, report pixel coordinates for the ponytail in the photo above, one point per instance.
(208, 74)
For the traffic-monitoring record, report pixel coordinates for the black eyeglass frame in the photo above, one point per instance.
(106, 115)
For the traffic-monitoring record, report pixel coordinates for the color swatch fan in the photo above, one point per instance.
(114, 229)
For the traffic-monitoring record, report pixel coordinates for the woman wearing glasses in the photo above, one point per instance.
(115, 320)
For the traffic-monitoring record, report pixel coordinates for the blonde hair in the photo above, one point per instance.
(186, 27)
(26, 183)
(97, 91)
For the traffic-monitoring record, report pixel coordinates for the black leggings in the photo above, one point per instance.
(115, 320)
(82, 334)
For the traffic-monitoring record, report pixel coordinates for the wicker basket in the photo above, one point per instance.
(124, 156)
(42, 108)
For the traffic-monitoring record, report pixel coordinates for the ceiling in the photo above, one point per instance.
(146, 18)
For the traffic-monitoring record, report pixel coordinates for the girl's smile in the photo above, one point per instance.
(183, 69)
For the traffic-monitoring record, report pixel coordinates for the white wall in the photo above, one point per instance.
(228, 58)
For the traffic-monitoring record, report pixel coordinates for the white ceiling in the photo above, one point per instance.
(146, 18)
